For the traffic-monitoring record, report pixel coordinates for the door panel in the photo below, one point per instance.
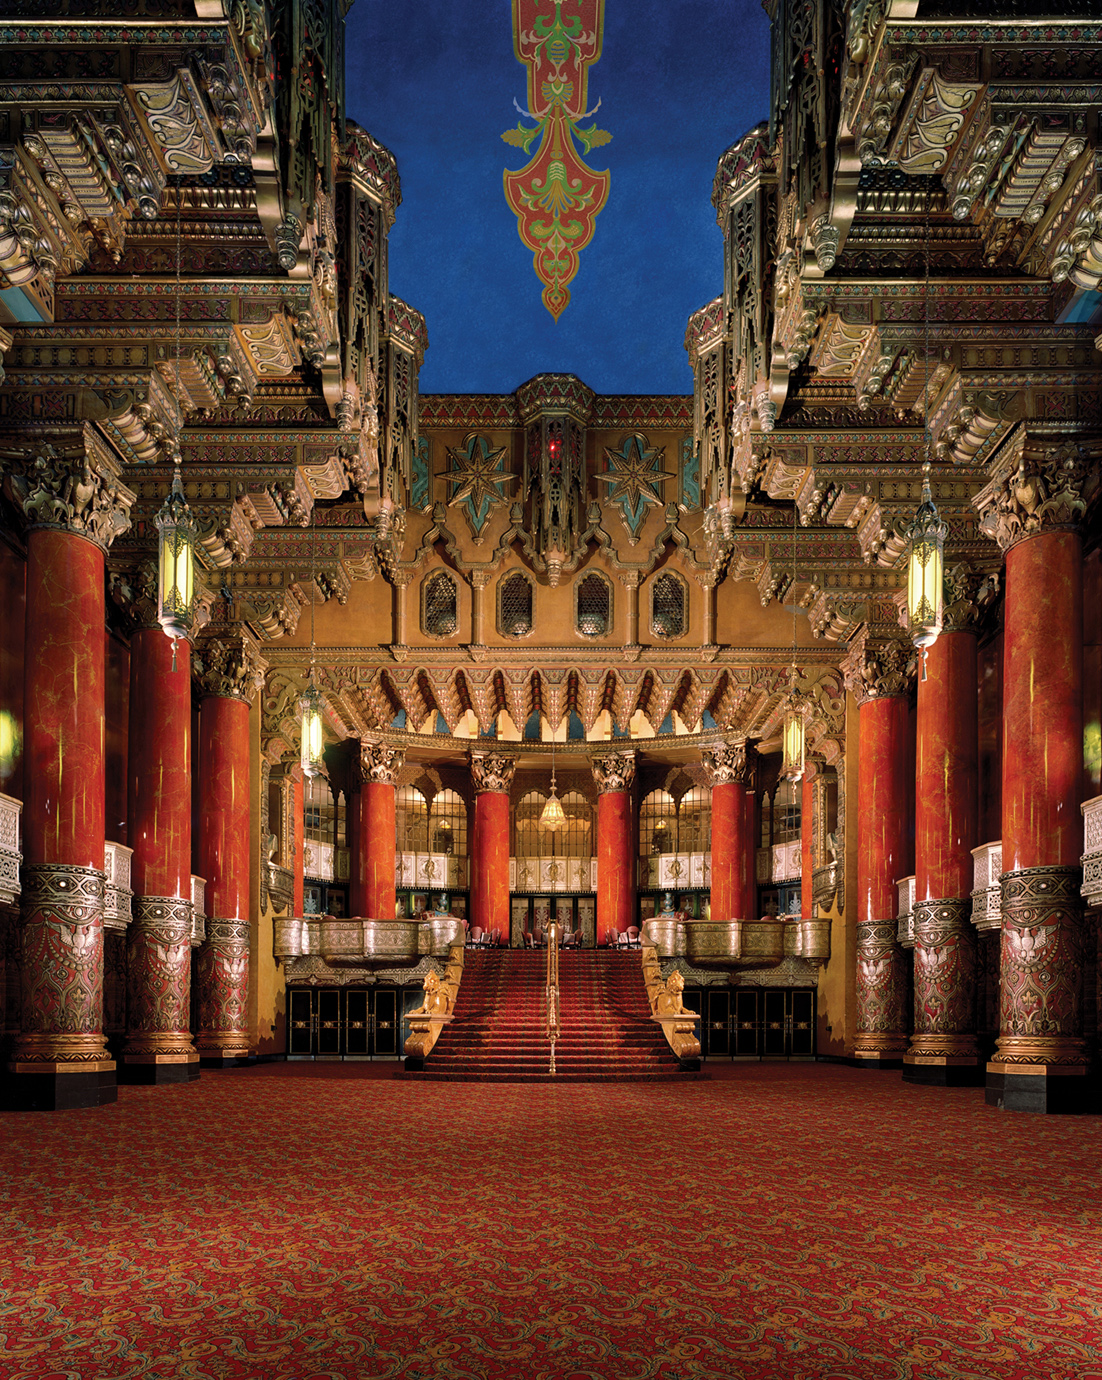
(774, 1020)
(300, 1021)
(329, 1021)
(356, 1022)
(385, 1024)
(719, 1024)
(746, 1022)
(803, 1024)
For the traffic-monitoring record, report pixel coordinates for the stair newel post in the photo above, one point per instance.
(552, 990)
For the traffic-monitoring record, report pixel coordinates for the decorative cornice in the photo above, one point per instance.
(613, 772)
(492, 771)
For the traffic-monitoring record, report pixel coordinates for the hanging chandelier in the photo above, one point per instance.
(795, 713)
(176, 530)
(309, 705)
(553, 816)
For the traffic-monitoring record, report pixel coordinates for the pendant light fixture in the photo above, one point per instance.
(927, 532)
(553, 816)
(795, 713)
(176, 530)
(309, 705)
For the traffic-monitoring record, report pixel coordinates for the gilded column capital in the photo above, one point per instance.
(1046, 492)
(479, 578)
(968, 593)
(729, 762)
(229, 665)
(492, 771)
(73, 488)
(876, 667)
(135, 592)
(381, 762)
(613, 771)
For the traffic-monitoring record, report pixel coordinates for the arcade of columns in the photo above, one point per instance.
(193, 266)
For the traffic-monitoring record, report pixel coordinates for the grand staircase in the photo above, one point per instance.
(499, 1028)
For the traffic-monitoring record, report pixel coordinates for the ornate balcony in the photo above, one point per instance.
(1092, 851)
(740, 944)
(987, 898)
(281, 886)
(198, 910)
(366, 943)
(10, 855)
(118, 894)
(905, 930)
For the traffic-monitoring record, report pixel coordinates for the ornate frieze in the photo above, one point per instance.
(727, 762)
(492, 771)
(613, 772)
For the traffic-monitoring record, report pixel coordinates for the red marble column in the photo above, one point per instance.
(943, 1049)
(354, 822)
(807, 842)
(229, 673)
(1040, 1057)
(614, 773)
(60, 1057)
(159, 1046)
(730, 769)
(492, 776)
(298, 823)
(877, 673)
(380, 764)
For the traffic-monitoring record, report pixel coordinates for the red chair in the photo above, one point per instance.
(476, 937)
(633, 937)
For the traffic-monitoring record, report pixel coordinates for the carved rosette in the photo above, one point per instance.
(62, 988)
(613, 772)
(224, 989)
(492, 771)
(727, 762)
(944, 979)
(70, 491)
(380, 762)
(881, 991)
(1049, 492)
(1040, 1009)
(159, 981)
(874, 669)
(229, 666)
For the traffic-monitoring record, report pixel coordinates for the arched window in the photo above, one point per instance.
(592, 605)
(667, 606)
(694, 821)
(448, 824)
(412, 820)
(514, 606)
(657, 824)
(526, 819)
(438, 605)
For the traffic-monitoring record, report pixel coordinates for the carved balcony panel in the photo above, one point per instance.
(366, 943)
(1092, 851)
(117, 893)
(905, 928)
(10, 856)
(987, 866)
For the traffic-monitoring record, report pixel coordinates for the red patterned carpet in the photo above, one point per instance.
(779, 1221)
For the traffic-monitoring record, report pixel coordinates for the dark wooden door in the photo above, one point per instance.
(718, 1022)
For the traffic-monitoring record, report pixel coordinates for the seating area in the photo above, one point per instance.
(536, 938)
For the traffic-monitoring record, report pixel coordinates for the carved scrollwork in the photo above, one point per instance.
(613, 772)
(381, 762)
(68, 490)
(727, 762)
(876, 669)
(1048, 492)
(229, 666)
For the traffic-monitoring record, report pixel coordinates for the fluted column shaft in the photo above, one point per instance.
(943, 1048)
(159, 1046)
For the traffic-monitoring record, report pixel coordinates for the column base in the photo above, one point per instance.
(30, 1088)
(217, 1060)
(1049, 1089)
(878, 1059)
(943, 1070)
(146, 1069)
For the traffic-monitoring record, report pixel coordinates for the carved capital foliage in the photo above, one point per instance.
(968, 595)
(727, 762)
(877, 666)
(381, 762)
(76, 489)
(1049, 491)
(492, 771)
(135, 592)
(229, 665)
(615, 771)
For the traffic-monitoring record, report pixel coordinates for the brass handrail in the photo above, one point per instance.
(551, 992)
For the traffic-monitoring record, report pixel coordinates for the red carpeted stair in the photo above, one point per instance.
(499, 1030)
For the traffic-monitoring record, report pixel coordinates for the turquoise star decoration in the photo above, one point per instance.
(634, 476)
(478, 478)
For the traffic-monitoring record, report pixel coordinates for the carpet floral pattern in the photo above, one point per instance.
(775, 1221)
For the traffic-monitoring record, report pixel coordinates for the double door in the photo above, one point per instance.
(759, 1023)
(343, 1023)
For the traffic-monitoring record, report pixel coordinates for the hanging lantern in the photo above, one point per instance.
(794, 739)
(925, 569)
(310, 709)
(176, 562)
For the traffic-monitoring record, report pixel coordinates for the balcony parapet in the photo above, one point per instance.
(905, 926)
(365, 942)
(1092, 851)
(118, 895)
(198, 910)
(987, 896)
(733, 944)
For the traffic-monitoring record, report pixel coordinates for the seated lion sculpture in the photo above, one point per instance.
(436, 1001)
(670, 1001)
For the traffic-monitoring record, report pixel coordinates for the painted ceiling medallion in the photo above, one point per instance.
(634, 476)
(479, 478)
(556, 198)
